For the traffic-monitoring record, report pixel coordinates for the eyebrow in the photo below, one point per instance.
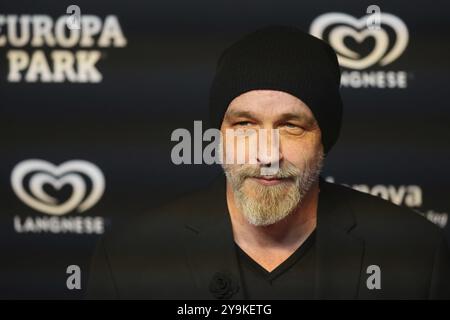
(283, 117)
(240, 114)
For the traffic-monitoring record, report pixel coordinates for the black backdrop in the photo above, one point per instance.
(394, 141)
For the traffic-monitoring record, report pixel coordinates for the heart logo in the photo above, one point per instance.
(344, 26)
(73, 173)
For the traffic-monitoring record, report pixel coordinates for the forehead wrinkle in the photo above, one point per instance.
(273, 109)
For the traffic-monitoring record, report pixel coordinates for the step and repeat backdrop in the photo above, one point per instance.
(90, 92)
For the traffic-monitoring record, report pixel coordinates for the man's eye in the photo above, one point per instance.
(293, 128)
(243, 123)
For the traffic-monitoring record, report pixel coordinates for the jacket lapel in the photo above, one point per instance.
(339, 253)
(210, 247)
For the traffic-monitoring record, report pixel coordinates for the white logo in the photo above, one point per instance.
(339, 26)
(78, 42)
(41, 172)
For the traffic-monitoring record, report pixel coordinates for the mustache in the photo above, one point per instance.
(285, 171)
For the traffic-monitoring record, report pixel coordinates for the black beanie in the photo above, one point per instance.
(285, 59)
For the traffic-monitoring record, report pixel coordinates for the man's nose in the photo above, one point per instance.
(269, 151)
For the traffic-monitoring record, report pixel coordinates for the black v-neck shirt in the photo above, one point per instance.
(293, 279)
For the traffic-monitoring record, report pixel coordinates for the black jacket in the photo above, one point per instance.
(185, 250)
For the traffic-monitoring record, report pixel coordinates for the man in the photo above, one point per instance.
(286, 234)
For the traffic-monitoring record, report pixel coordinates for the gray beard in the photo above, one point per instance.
(266, 205)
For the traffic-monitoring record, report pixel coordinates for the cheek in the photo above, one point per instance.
(297, 151)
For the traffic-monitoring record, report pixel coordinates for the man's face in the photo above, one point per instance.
(266, 199)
